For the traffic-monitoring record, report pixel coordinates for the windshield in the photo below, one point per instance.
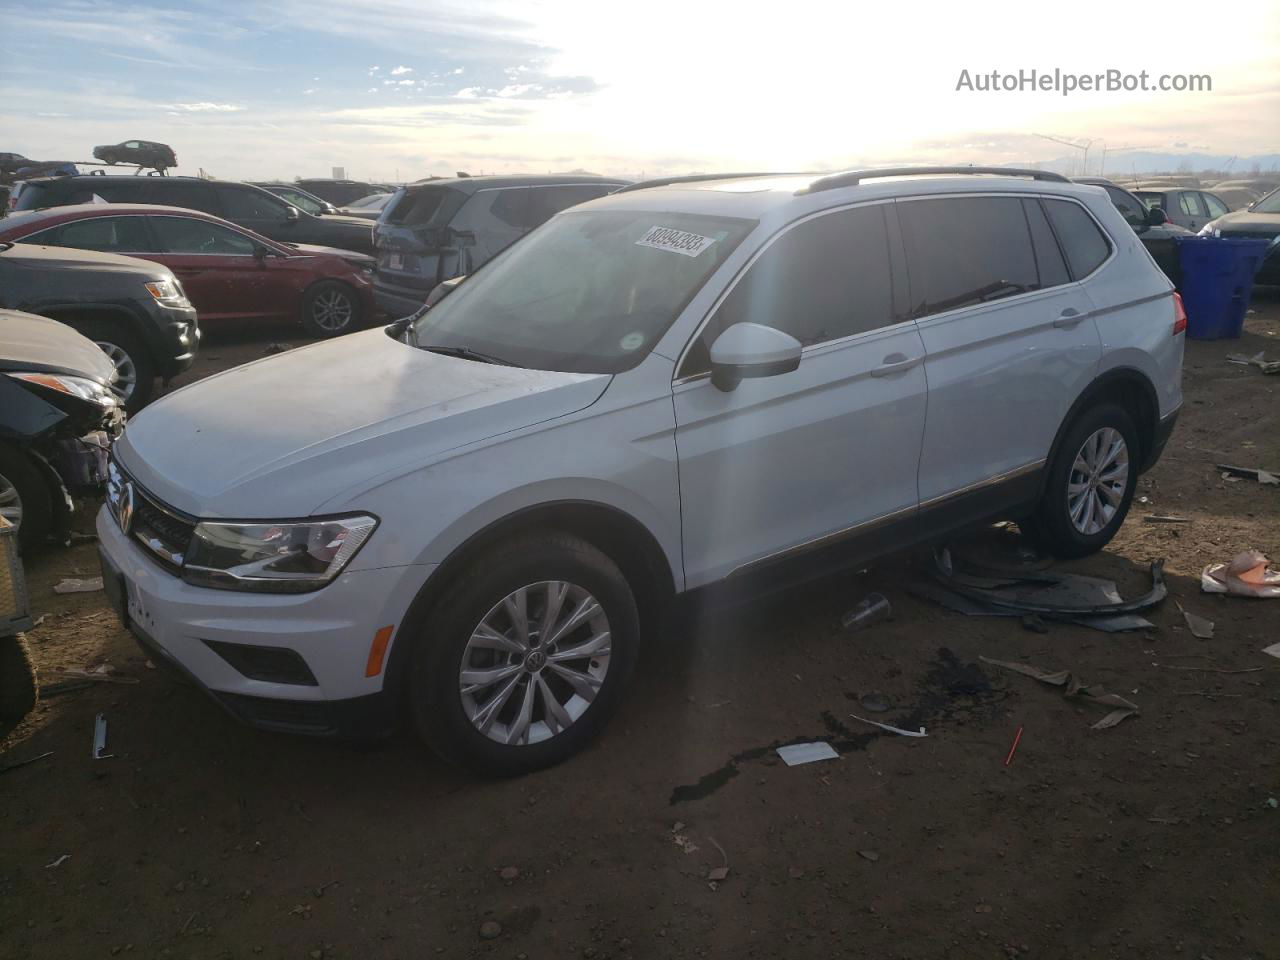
(589, 292)
(1269, 204)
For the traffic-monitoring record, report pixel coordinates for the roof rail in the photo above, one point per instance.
(852, 178)
(698, 178)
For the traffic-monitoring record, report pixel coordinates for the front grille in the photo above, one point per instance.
(162, 531)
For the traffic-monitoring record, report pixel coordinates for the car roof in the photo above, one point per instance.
(77, 211)
(494, 182)
(126, 178)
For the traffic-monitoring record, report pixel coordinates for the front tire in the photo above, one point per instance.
(1090, 484)
(25, 500)
(17, 682)
(525, 658)
(330, 309)
(135, 368)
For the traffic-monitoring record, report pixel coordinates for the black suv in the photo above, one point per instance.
(241, 203)
(135, 310)
(435, 230)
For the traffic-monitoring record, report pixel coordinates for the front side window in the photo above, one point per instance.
(589, 292)
(109, 234)
(1083, 243)
(823, 279)
(251, 204)
(191, 236)
(964, 251)
(301, 201)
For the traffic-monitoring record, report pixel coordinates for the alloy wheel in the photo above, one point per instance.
(126, 373)
(331, 310)
(535, 663)
(1098, 480)
(10, 502)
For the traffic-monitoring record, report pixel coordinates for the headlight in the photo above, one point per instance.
(168, 293)
(274, 557)
(81, 387)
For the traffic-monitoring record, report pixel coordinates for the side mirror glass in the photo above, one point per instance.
(329, 208)
(1156, 217)
(291, 214)
(747, 351)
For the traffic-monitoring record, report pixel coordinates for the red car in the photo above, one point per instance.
(228, 272)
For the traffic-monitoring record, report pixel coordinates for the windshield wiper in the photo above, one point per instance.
(466, 353)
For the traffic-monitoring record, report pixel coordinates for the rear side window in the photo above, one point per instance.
(1153, 201)
(1129, 208)
(187, 235)
(509, 206)
(416, 206)
(1190, 204)
(546, 202)
(967, 250)
(823, 279)
(35, 196)
(109, 234)
(1216, 207)
(1084, 244)
(1049, 262)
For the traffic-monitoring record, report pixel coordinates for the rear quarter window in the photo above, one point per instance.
(1083, 242)
(416, 207)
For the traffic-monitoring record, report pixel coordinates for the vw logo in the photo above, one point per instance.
(124, 507)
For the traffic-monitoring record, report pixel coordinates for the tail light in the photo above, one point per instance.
(1179, 315)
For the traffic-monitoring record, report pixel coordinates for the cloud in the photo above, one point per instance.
(406, 83)
(205, 107)
(401, 71)
(308, 91)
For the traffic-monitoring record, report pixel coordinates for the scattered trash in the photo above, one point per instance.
(1157, 518)
(892, 729)
(876, 703)
(509, 873)
(1200, 627)
(799, 753)
(869, 855)
(1273, 650)
(74, 585)
(102, 673)
(1273, 803)
(64, 686)
(1267, 477)
(1245, 576)
(490, 930)
(1258, 360)
(680, 840)
(39, 620)
(1230, 478)
(100, 738)
(873, 608)
(1213, 669)
(59, 862)
(717, 875)
(1074, 688)
(1017, 739)
(22, 763)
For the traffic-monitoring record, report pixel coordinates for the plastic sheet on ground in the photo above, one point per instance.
(1247, 575)
(1071, 687)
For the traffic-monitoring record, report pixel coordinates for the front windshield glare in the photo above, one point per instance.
(588, 292)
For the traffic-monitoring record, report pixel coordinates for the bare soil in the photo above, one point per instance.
(199, 838)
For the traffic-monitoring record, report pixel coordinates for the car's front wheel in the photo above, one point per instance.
(135, 369)
(526, 656)
(330, 309)
(25, 499)
(1090, 483)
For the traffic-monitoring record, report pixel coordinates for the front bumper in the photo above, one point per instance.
(331, 629)
(175, 339)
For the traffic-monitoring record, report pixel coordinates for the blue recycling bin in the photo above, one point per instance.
(1217, 280)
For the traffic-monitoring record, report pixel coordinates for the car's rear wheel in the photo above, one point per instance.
(330, 309)
(18, 690)
(24, 496)
(1090, 483)
(526, 657)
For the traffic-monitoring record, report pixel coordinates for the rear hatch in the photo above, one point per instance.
(411, 237)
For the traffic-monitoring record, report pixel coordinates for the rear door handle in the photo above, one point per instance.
(895, 363)
(1069, 318)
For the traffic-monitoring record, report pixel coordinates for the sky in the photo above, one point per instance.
(403, 89)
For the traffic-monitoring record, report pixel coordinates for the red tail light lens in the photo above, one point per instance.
(1179, 315)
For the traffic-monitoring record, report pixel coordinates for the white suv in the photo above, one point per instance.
(478, 513)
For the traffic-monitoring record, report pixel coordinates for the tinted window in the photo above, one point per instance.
(509, 206)
(1216, 207)
(1084, 244)
(823, 279)
(546, 202)
(967, 250)
(416, 206)
(110, 234)
(1049, 263)
(34, 196)
(1129, 207)
(250, 203)
(193, 196)
(188, 235)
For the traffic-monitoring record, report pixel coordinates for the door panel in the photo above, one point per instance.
(217, 268)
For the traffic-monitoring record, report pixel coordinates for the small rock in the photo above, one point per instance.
(316, 955)
(876, 703)
(490, 930)
(509, 873)
(869, 855)
(795, 873)
(180, 886)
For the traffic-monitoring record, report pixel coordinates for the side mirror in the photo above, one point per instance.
(1156, 217)
(442, 290)
(291, 214)
(747, 351)
(329, 208)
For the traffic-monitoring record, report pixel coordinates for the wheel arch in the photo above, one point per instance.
(616, 533)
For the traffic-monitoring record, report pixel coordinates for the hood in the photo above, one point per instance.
(66, 258)
(350, 256)
(32, 344)
(1245, 221)
(282, 436)
(360, 222)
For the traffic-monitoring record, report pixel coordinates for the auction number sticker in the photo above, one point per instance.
(675, 241)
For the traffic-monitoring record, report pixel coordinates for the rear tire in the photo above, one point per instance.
(135, 367)
(449, 712)
(330, 309)
(1090, 484)
(24, 490)
(17, 682)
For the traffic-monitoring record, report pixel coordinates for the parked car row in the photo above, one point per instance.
(478, 514)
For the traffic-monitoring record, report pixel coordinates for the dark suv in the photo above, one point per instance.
(241, 203)
(435, 230)
(135, 310)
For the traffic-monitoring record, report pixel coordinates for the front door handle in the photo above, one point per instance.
(895, 363)
(1069, 318)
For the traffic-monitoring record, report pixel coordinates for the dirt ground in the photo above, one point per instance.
(1156, 838)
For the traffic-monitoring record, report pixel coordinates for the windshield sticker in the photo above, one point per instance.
(675, 241)
(632, 341)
